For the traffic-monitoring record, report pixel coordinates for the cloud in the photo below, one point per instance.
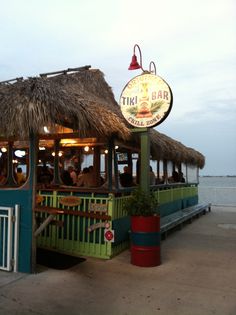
(193, 44)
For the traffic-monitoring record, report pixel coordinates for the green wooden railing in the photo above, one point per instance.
(72, 233)
(82, 234)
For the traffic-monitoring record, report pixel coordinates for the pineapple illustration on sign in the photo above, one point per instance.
(144, 104)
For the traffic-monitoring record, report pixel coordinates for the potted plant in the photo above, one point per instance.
(142, 206)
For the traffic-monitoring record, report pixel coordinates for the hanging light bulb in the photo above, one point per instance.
(46, 130)
(20, 153)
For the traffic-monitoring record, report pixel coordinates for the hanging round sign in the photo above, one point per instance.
(146, 100)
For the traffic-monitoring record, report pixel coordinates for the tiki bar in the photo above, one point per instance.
(68, 161)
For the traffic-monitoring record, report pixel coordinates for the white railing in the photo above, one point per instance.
(219, 196)
(9, 238)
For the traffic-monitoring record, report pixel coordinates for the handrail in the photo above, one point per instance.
(54, 210)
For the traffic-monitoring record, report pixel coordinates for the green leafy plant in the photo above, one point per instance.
(133, 110)
(156, 106)
(141, 203)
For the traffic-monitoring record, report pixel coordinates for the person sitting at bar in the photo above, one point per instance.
(181, 177)
(83, 178)
(44, 175)
(87, 178)
(105, 184)
(66, 178)
(20, 177)
(161, 180)
(174, 178)
(73, 175)
(92, 182)
(126, 178)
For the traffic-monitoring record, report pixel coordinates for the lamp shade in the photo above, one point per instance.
(134, 65)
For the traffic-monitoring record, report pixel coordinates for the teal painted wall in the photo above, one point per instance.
(9, 198)
(171, 207)
(23, 196)
(121, 227)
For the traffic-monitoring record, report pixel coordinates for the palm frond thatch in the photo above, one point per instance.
(82, 101)
(164, 147)
(74, 101)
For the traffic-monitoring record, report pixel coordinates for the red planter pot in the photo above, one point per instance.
(145, 241)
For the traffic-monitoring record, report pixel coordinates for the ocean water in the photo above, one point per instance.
(219, 190)
(217, 181)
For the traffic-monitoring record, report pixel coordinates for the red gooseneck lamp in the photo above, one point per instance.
(134, 65)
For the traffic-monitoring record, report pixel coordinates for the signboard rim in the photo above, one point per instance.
(169, 108)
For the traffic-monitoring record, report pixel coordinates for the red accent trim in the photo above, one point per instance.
(145, 224)
(145, 256)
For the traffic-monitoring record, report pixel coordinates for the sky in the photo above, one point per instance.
(192, 42)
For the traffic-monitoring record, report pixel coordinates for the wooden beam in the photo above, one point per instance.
(65, 71)
(55, 211)
(44, 224)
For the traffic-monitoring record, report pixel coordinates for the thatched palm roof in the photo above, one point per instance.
(164, 147)
(83, 101)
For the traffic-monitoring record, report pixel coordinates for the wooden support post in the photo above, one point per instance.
(186, 172)
(115, 169)
(97, 164)
(56, 177)
(158, 171)
(165, 171)
(144, 170)
(145, 160)
(179, 168)
(110, 163)
(33, 153)
(10, 179)
(130, 164)
(173, 166)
